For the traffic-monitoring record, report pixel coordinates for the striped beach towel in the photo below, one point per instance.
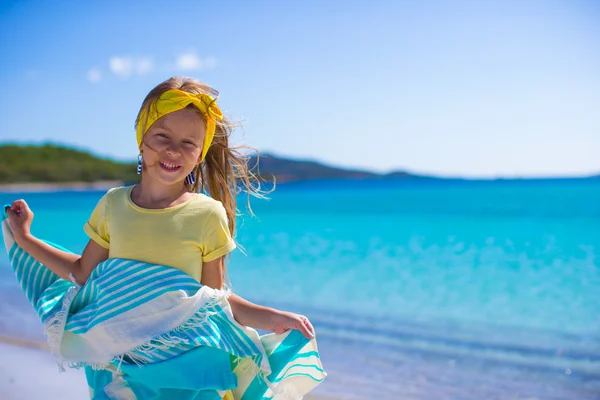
(145, 331)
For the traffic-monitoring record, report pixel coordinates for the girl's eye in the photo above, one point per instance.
(162, 135)
(188, 143)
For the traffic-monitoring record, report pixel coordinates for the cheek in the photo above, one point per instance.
(153, 142)
(192, 154)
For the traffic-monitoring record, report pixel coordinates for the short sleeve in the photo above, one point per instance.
(97, 226)
(217, 240)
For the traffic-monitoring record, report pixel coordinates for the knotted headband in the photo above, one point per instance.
(175, 100)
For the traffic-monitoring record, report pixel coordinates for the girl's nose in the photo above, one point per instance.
(173, 151)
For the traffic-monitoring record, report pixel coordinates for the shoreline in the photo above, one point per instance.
(48, 187)
(31, 187)
(24, 343)
(28, 370)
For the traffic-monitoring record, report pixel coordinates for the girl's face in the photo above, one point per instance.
(172, 147)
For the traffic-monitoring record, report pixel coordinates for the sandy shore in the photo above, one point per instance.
(53, 187)
(28, 371)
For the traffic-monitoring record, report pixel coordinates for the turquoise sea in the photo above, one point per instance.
(420, 289)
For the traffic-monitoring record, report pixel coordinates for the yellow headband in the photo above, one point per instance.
(175, 100)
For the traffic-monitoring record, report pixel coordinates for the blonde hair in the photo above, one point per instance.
(224, 172)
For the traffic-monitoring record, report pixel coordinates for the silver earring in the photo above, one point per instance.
(139, 168)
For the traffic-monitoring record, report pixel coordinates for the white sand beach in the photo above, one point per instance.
(28, 371)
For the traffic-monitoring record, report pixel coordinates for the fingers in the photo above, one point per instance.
(19, 206)
(311, 329)
(306, 328)
(19, 217)
(11, 212)
(289, 320)
(13, 220)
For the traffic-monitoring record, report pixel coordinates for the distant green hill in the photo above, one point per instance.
(58, 164)
(286, 170)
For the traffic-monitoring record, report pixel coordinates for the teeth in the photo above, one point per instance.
(169, 166)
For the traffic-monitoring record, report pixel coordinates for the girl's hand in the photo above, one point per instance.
(283, 321)
(20, 217)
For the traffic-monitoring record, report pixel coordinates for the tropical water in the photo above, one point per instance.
(417, 289)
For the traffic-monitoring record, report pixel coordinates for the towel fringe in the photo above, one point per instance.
(54, 327)
(168, 340)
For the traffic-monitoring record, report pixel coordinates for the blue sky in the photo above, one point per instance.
(468, 88)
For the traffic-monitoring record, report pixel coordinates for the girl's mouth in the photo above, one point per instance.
(169, 167)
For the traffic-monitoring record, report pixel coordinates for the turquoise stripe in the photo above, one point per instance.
(244, 347)
(28, 272)
(86, 313)
(305, 375)
(83, 297)
(285, 374)
(115, 272)
(116, 303)
(54, 291)
(54, 303)
(121, 292)
(79, 322)
(127, 302)
(229, 341)
(48, 303)
(204, 336)
(307, 354)
(240, 334)
(15, 256)
(97, 273)
(143, 278)
(47, 278)
(121, 274)
(14, 248)
(286, 350)
(16, 262)
(52, 312)
(228, 336)
(83, 321)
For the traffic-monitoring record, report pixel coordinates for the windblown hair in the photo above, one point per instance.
(224, 173)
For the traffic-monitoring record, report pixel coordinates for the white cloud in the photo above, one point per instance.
(121, 66)
(124, 67)
(191, 61)
(128, 66)
(94, 75)
(188, 61)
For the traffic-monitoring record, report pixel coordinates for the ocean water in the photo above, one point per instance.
(417, 289)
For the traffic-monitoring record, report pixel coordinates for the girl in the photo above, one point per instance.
(183, 142)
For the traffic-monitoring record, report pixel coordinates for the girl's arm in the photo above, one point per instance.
(60, 262)
(254, 315)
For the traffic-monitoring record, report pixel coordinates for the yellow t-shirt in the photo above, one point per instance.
(182, 236)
